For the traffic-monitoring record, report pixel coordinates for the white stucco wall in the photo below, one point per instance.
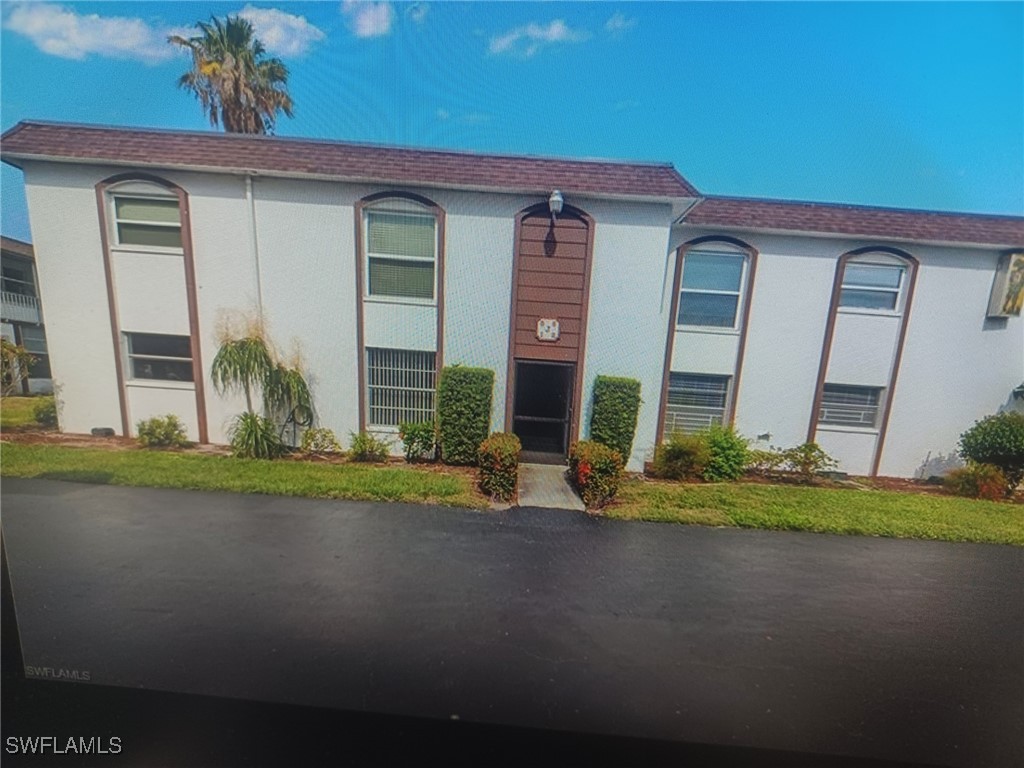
(630, 289)
(69, 264)
(957, 366)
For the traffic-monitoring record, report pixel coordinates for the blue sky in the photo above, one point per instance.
(916, 105)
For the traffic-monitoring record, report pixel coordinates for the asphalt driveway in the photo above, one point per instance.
(890, 649)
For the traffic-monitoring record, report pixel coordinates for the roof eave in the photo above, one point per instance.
(17, 158)
(852, 236)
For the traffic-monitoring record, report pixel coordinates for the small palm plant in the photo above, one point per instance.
(247, 365)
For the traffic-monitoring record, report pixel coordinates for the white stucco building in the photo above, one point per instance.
(873, 331)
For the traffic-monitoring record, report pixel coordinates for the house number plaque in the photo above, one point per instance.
(547, 329)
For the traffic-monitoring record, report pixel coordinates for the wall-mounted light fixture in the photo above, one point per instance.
(555, 202)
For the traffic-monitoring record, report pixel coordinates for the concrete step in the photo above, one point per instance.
(544, 485)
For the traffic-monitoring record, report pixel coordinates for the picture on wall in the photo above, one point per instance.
(1008, 290)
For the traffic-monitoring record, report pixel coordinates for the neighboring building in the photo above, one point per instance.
(866, 329)
(21, 310)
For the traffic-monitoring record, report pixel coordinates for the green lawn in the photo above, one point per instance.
(18, 412)
(825, 510)
(166, 469)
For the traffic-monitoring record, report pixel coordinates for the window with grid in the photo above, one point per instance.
(848, 405)
(147, 221)
(400, 386)
(871, 286)
(33, 338)
(159, 356)
(695, 402)
(710, 293)
(400, 251)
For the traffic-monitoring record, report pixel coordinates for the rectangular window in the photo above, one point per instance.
(159, 356)
(33, 338)
(851, 406)
(17, 279)
(710, 294)
(400, 386)
(695, 402)
(871, 286)
(147, 221)
(400, 250)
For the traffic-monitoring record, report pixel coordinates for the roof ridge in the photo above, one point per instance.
(219, 135)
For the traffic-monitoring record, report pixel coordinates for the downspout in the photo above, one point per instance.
(669, 271)
(255, 242)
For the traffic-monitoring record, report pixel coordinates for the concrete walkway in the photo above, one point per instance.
(544, 485)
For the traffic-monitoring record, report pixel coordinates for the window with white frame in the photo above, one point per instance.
(695, 401)
(872, 286)
(401, 251)
(400, 386)
(159, 356)
(711, 286)
(147, 221)
(846, 405)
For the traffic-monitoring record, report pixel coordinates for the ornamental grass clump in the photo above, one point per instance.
(419, 440)
(498, 462)
(161, 432)
(682, 457)
(246, 363)
(595, 471)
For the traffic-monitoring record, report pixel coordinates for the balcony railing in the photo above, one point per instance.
(19, 308)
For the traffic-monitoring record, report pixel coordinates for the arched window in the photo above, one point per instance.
(144, 215)
(400, 239)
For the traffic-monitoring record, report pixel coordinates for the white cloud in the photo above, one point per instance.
(282, 33)
(619, 23)
(369, 19)
(529, 39)
(63, 32)
(468, 118)
(418, 12)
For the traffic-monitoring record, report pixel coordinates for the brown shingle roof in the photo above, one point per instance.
(11, 245)
(218, 151)
(864, 221)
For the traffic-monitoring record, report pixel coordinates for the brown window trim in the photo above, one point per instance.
(190, 292)
(439, 212)
(574, 426)
(748, 297)
(826, 348)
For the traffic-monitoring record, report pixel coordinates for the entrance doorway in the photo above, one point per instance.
(542, 410)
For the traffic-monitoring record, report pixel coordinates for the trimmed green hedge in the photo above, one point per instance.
(463, 412)
(595, 470)
(616, 405)
(499, 465)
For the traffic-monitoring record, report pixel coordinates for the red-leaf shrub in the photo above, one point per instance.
(595, 470)
(498, 462)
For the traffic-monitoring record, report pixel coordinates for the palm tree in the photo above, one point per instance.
(236, 84)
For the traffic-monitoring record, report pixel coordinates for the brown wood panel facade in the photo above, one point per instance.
(551, 280)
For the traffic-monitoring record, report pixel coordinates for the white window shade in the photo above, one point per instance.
(147, 221)
(401, 251)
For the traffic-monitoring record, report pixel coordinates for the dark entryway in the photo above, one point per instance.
(542, 409)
